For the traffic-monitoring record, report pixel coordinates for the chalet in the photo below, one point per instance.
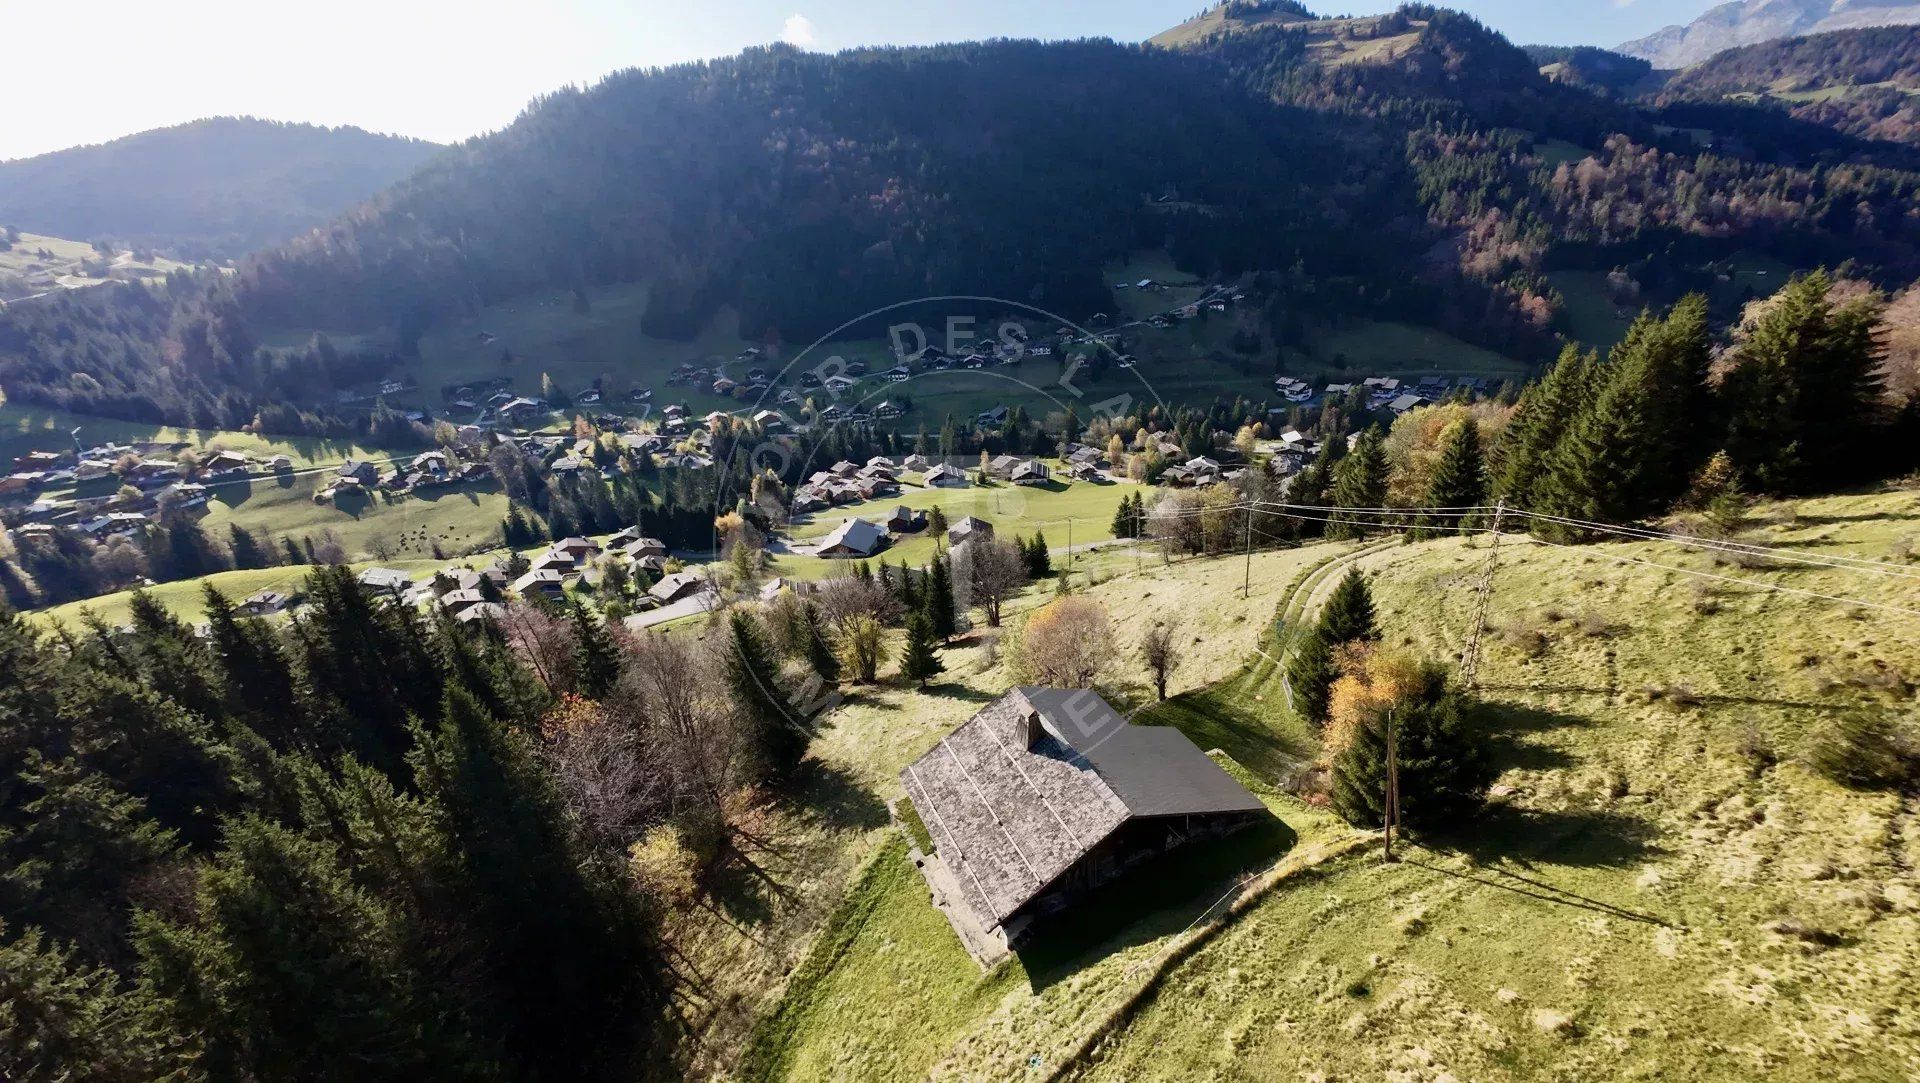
(946, 477)
(559, 563)
(899, 374)
(1031, 472)
(1003, 466)
(915, 464)
(485, 611)
(905, 520)
(540, 581)
(1047, 793)
(724, 386)
(838, 384)
(455, 601)
(806, 500)
(385, 581)
(1085, 472)
(359, 473)
(769, 419)
(993, 418)
(1406, 403)
(449, 580)
(264, 604)
(677, 587)
(871, 487)
(880, 462)
(968, 529)
(280, 463)
(226, 462)
(888, 410)
(91, 469)
(578, 550)
(845, 469)
(35, 462)
(855, 538)
(1203, 468)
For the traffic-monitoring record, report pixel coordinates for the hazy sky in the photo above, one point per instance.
(85, 71)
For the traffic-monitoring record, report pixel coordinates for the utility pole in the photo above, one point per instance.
(1392, 813)
(1483, 593)
(1246, 584)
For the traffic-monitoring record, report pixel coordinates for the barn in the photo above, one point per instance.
(1048, 793)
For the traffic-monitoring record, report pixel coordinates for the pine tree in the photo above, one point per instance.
(247, 552)
(1123, 518)
(1803, 395)
(1348, 616)
(597, 659)
(779, 740)
(937, 522)
(295, 972)
(67, 1020)
(255, 674)
(1360, 481)
(1545, 411)
(1459, 477)
(1443, 771)
(1310, 675)
(819, 649)
(939, 601)
(1039, 560)
(1625, 456)
(918, 659)
(292, 549)
(529, 898)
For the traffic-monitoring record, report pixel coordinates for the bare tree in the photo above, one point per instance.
(544, 641)
(844, 600)
(989, 571)
(610, 784)
(1157, 651)
(1067, 644)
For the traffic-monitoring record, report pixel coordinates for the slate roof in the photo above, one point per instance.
(1010, 815)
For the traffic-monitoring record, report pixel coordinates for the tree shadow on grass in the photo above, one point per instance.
(1510, 848)
(1157, 898)
(1578, 838)
(1508, 729)
(835, 799)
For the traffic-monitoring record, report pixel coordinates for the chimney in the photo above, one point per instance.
(1035, 730)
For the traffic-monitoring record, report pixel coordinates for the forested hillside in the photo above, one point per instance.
(1861, 82)
(1413, 167)
(215, 188)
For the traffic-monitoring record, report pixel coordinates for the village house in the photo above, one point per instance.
(678, 586)
(1046, 794)
(385, 581)
(1030, 472)
(905, 520)
(540, 581)
(1406, 404)
(967, 529)
(946, 476)
(264, 604)
(853, 539)
(1003, 466)
(915, 464)
(365, 474)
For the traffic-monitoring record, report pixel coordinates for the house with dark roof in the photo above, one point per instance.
(1048, 793)
(853, 538)
(967, 529)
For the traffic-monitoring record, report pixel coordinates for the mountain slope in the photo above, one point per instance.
(1750, 22)
(217, 187)
(1865, 83)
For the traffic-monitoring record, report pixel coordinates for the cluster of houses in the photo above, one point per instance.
(858, 539)
(850, 483)
(1384, 392)
(469, 595)
(46, 490)
(428, 470)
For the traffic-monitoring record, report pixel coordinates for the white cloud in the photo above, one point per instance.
(798, 30)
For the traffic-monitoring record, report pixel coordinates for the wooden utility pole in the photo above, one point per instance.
(1483, 593)
(1392, 812)
(1246, 585)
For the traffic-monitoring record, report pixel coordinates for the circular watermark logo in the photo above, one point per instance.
(943, 368)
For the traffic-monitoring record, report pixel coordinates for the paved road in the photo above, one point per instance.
(703, 602)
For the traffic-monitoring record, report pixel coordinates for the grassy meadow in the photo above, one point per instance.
(1660, 888)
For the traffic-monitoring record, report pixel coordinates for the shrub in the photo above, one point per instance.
(1864, 750)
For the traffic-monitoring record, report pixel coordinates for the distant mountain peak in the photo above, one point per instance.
(1750, 22)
